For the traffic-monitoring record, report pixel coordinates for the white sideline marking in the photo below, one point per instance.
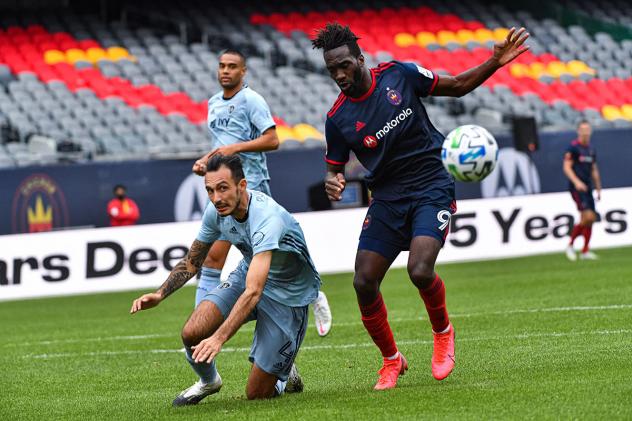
(340, 346)
(394, 320)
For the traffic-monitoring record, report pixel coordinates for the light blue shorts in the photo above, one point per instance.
(279, 329)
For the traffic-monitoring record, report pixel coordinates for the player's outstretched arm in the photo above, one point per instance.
(181, 273)
(256, 279)
(268, 141)
(504, 52)
(335, 182)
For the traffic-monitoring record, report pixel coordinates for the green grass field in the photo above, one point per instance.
(537, 337)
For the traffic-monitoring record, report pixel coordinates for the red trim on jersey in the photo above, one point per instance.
(384, 66)
(370, 91)
(341, 99)
(332, 162)
(434, 83)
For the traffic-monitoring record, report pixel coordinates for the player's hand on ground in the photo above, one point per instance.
(206, 350)
(146, 301)
(512, 46)
(580, 186)
(598, 194)
(334, 186)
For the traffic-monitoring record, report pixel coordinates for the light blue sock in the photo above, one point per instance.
(206, 371)
(208, 281)
(279, 387)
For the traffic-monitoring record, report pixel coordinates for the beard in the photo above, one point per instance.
(357, 81)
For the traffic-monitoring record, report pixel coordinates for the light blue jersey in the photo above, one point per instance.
(242, 118)
(293, 279)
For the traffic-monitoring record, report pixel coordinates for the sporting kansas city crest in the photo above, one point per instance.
(393, 96)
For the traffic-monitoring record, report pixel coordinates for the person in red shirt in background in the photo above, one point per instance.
(122, 210)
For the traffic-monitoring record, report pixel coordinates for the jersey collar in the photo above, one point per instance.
(247, 209)
(369, 92)
(245, 85)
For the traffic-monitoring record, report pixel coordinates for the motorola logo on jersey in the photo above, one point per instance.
(370, 142)
(390, 125)
(515, 175)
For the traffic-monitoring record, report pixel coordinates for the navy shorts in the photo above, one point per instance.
(390, 225)
(583, 200)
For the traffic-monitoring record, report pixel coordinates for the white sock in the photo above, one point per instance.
(446, 330)
(393, 357)
(279, 387)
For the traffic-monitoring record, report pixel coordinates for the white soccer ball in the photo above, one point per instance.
(469, 153)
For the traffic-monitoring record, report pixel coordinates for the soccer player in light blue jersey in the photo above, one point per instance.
(240, 122)
(273, 284)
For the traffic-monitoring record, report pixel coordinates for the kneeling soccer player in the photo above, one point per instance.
(273, 284)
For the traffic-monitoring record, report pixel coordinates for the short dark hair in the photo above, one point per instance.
(334, 35)
(235, 52)
(232, 162)
(119, 186)
(584, 121)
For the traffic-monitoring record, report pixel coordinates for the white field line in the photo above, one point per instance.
(356, 323)
(334, 347)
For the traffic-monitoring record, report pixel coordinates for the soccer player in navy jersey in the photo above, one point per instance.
(380, 117)
(580, 167)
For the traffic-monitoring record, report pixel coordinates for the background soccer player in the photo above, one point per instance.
(273, 284)
(580, 166)
(240, 122)
(379, 116)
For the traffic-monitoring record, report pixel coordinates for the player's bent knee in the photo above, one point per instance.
(201, 324)
(421, 274)
(364, 285)
(190, 335)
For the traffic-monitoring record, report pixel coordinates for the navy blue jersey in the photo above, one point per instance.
(389, 131)
(583, 158)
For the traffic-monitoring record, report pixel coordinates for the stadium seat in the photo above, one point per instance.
(42, 145)
(74, 55)
(117, 53)
(626, 111)
(92, 56)
(611, 112)
(96, 54)
(54, 56)
(405, 40)
(305, 131)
